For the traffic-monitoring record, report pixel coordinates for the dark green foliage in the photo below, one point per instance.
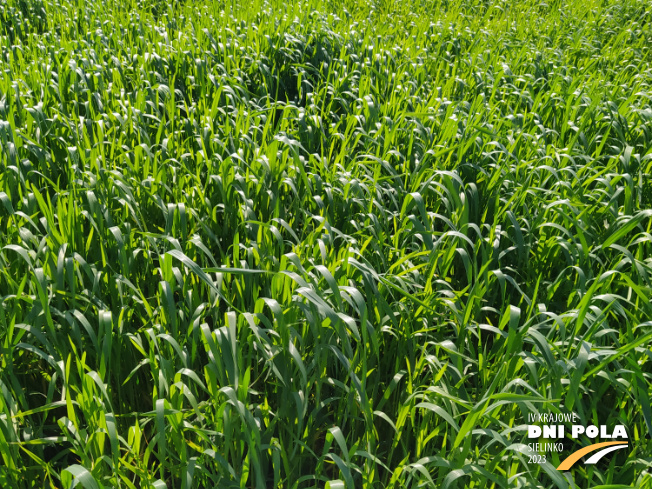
(350, 244)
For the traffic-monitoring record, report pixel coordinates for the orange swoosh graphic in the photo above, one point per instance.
(575, 456)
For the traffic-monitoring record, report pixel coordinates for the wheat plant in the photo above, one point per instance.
(303, 244)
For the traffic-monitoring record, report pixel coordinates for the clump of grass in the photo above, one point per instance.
(299, 245)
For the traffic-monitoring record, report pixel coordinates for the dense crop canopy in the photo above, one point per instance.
(303, 244)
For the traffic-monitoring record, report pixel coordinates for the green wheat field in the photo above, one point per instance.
(323, 244)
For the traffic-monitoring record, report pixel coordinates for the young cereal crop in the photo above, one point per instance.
(302, 244)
